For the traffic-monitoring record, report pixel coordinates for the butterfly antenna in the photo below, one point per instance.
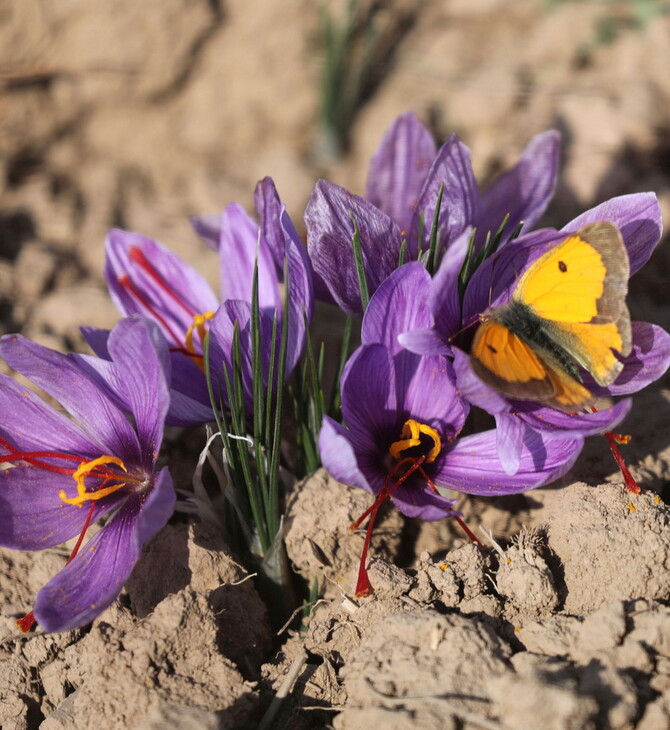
(463, 329)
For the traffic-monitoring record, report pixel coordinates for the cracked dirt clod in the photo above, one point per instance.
(525, 580)
(318, 540)
(123, 676)
(610, 544)
(423, 656)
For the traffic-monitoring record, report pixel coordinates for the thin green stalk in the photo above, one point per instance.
(238, 421)
(422, 226)
(274, 522)
(402, 255)
(335, 395)
(270, 381)
(360, 266)
(433, 247)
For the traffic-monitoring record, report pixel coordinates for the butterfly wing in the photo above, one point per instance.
(579, 288)
(506, 363)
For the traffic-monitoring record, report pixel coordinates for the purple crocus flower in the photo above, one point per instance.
(402, 413)
(406, 176)
(144, 277)
(65, 474)
(638, 218)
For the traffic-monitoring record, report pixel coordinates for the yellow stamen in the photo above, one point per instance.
(84, 470)
(198, 325)
(410, 436)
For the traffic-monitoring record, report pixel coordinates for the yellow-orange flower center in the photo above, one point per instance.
(91, 468)
(198, 325)
(410, 438)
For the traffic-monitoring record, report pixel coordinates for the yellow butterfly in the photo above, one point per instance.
(568, 310)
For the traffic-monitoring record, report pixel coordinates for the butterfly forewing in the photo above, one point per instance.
(582, 279)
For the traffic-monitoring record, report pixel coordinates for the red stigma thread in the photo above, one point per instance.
(136, 255)
(182, 343)
(363, 585)
(613, 439)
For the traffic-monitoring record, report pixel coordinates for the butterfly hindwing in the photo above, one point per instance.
(506, 363)
(591, 345)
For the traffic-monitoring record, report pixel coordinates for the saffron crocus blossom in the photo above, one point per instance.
(144, 277)
(65, 474)
(411, 186)
(639, 220)
(402, 414)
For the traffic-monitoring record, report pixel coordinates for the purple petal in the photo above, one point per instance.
(329, 218)
(399, 169)
(32, 515)
(187, 411)
(240, 246)
(472, 465)
(189, 399)
(369, 398)
(401, 304)
(163, 287)
(338, 455)
(556, 424)
(222, 333)
(415, 500)
(91, 582)
(270, 211)
(29, 424)
(430, 395)
(301, 292)
(452, 169)
(638, 217)
(524, 191)
(142, 368)
(648, 360)
(424, 342)
(510, 432)
(85, 400)
(96, 339)
(208, 227)
(445, 288)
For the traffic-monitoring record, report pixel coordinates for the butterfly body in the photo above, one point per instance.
(567, 313)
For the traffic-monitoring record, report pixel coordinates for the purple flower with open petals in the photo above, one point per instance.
(407, 175)
(638, 218)
(144, 277)
(65, 474)
(402, 413)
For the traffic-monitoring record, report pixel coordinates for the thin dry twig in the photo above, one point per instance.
(283, 692)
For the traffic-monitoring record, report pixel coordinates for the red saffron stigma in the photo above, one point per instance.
(127, 283)
(613, 439)
(363, 585)
(28, 621)
(136, 255)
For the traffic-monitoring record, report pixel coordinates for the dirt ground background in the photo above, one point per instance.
(139, 115)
